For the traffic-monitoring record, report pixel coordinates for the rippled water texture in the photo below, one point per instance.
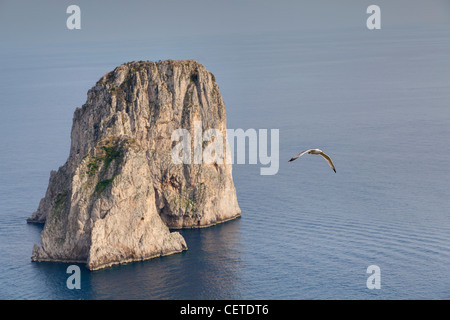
(378, 105)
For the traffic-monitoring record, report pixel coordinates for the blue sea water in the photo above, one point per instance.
(378, 103)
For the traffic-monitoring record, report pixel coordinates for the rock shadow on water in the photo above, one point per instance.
(210, 269)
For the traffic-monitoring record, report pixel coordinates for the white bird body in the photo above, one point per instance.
(315, 151)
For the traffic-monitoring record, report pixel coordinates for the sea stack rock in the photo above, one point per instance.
(120, 192)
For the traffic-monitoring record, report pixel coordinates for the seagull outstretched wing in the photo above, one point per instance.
(299, 155)
(329, 161)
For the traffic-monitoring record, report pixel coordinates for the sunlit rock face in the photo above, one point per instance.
(120, 192)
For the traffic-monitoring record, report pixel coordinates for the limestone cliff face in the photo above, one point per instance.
(119, 192)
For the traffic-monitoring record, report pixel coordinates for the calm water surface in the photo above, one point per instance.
(378, 104)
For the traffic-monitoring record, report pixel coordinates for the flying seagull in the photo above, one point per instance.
(315, 151)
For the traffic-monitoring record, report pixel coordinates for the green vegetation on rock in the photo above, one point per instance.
(102, 185)
(110, 153)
